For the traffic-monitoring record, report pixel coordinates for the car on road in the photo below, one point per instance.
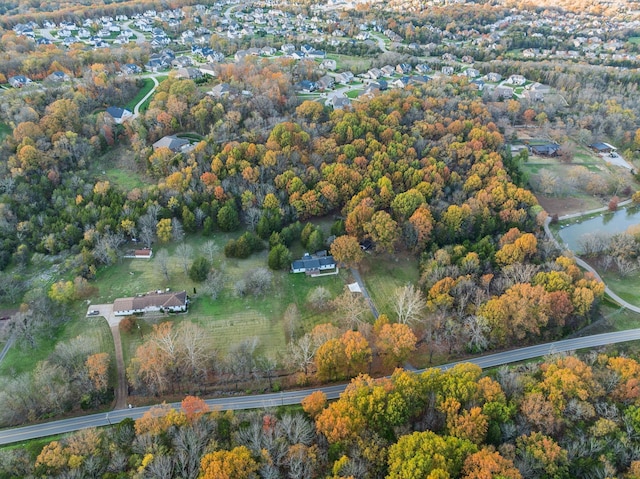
(93, 312)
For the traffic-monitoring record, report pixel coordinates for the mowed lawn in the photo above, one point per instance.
(626, 288)
(228, 319)
(383, 274)
(146, 88)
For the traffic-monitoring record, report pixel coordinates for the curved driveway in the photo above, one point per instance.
(8, 436)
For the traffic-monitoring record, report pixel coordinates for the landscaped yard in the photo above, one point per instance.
(354, 93)
(584, 183)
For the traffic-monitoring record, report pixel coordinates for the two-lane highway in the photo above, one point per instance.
(286, 398)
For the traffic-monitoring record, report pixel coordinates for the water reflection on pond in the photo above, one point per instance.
(606, 224)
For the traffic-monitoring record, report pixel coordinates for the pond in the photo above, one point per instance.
(606, 224)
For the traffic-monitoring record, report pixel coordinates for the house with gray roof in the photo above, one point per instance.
(312, 264)
(172, 142)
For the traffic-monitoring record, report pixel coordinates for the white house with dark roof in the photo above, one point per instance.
(171, 302)
(311, 264)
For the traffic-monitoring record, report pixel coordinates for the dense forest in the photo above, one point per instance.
(565, 417)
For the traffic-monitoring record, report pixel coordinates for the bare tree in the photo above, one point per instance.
(302, 353)
(259, 281)
(106, 249)
(352, 309)
(214, 283)
(476, 329)
(210, 249)
(160, 468)
(519, 273)
(189, 444)
(195, 351)
(200, 216)
(185, 254)
(409, 304)
(162, 263)
(177, 232)
(291, 321)
(267, 365)
(318, 298)
(240, 361)
(625, 266)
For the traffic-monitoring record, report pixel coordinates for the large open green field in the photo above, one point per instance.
(119, 167)
(348, 62)
(228, 319)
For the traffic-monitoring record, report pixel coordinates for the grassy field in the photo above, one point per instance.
(354, 93)
(22, 359)
(383, 274)
(118, 166)
(5, 130)
(348, 62)
(228, 319)
(146, 88)
(626, 288)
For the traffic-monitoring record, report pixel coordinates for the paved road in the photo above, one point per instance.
(8, 436)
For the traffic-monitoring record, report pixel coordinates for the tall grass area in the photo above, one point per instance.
(227, 319)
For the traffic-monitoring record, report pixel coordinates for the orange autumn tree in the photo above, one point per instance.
(489, 464)
(395, 342)
(194, 407)
(98, 369)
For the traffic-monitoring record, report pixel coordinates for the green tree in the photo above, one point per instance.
(228, 217)
(199, 269)
(426, 455)
(279, 257)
